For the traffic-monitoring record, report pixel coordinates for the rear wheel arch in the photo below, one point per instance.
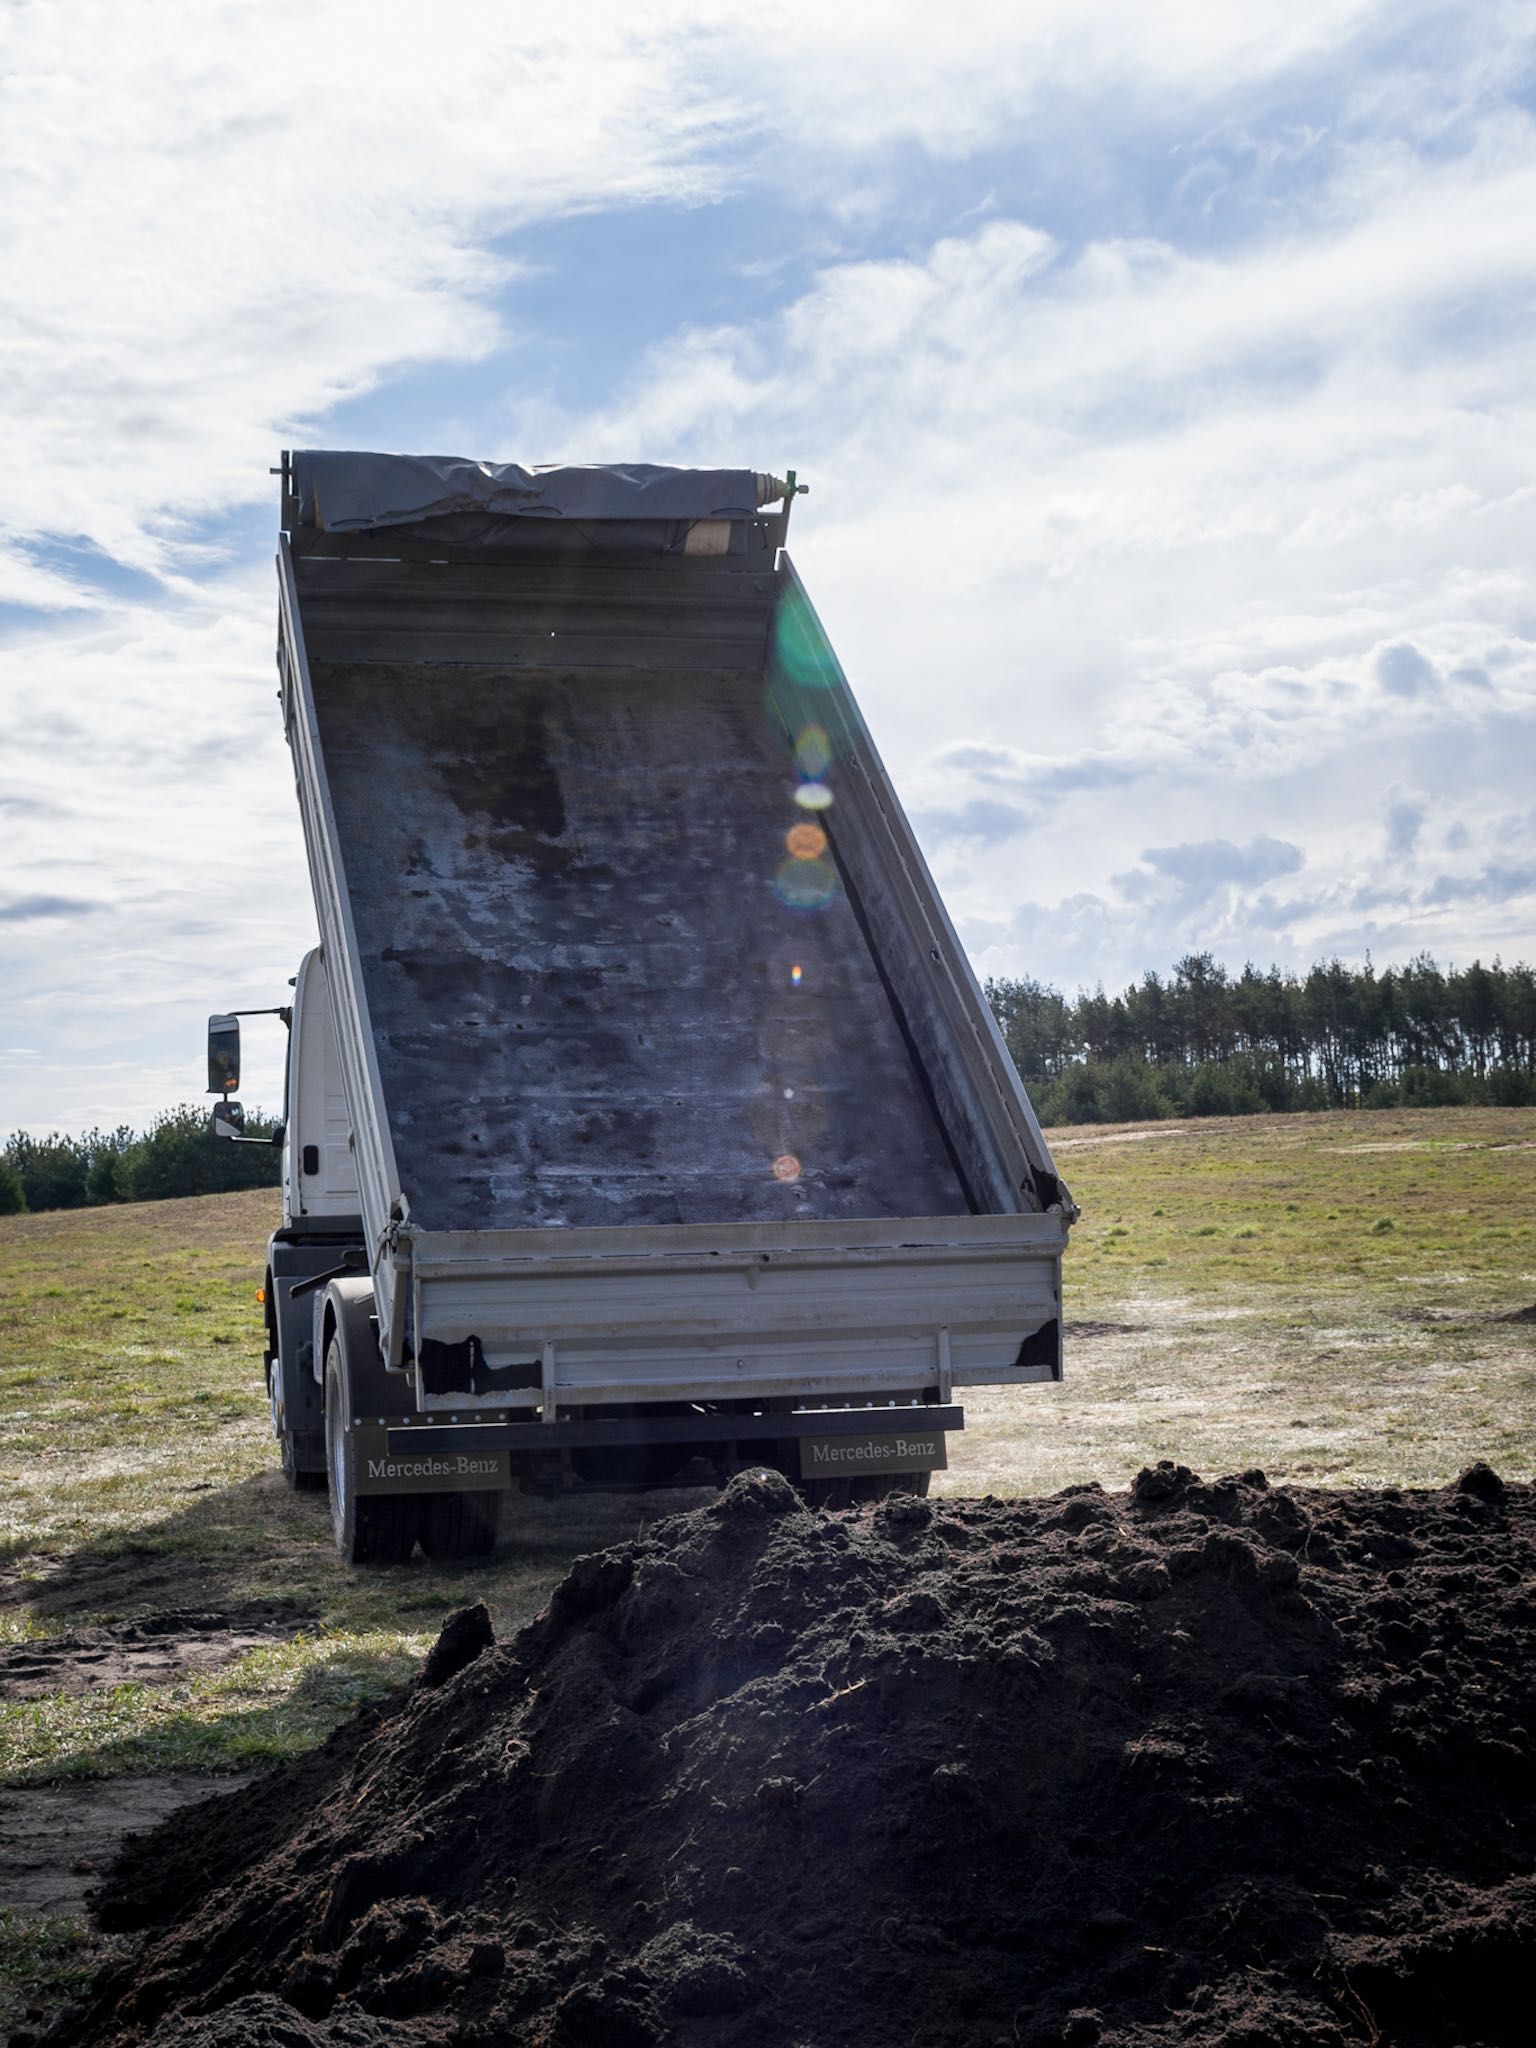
(326, 1333)
(300, 1449)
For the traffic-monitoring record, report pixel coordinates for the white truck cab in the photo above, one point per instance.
(321, 1230)
(319, 1175)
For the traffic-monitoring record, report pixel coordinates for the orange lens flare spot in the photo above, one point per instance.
(797, 974)
(786, 1167)
(806, 841)
(261, 1294)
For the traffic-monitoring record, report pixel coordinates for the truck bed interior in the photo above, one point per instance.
(603, 987)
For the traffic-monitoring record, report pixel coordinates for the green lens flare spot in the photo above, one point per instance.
(805, 884)
(799, 648)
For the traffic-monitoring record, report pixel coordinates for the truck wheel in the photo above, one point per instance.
(847, 1493)
(310, 1475)
(895, 1482)
(827, 1493)
(373, 1529)
(459, 1525)
(306, 1478)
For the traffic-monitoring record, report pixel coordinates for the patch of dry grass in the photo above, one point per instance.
(126, 1367)
(138, 1473)
(1327, 1297)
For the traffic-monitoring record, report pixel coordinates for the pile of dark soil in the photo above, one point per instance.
(1204, 1763)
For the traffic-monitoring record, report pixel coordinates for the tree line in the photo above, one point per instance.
(177, 1155)
(1203, 1042)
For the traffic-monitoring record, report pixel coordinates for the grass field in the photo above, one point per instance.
(1334, 1298)
(1338, 1299)
(1327, 1296)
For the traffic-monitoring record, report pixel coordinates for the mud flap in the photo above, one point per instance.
(851, 1457)
(380, 1470)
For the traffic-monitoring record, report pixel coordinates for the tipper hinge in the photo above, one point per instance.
(394, 1243)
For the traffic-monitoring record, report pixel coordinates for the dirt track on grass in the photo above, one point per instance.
(1198, 1764)
(149, 1650)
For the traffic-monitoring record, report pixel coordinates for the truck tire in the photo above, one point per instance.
(308, 1477)
(459, 1525)
(374, 1528)
(302, 1451)
(899, 1482)
(826, 1493)
(847, 1493)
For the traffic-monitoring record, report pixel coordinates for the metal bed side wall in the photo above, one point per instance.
(378, 1179)
(959, 1043)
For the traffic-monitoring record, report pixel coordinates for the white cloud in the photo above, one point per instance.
(1200, 868)
(223, 220)
(1405, 821)
(1111, 531)
(1218, 534)
(154, 864)
(853, 78)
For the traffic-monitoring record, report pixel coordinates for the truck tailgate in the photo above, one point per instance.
(535, 1320)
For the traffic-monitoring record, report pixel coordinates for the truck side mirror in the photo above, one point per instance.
(223, 1055)
(228, 1120)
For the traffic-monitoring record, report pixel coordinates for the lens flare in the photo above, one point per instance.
(800, 650)
(806, 842)
(813, 752)
(805, 884)
(795, 973)
(786, 1167)
(813, 796)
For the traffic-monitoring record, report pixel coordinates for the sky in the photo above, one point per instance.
(1162, 377)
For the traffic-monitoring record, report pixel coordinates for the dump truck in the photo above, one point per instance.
(644, 1120)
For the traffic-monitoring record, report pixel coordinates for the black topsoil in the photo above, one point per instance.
(1201, 1763)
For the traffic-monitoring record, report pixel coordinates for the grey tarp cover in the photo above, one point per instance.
(340, 492)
